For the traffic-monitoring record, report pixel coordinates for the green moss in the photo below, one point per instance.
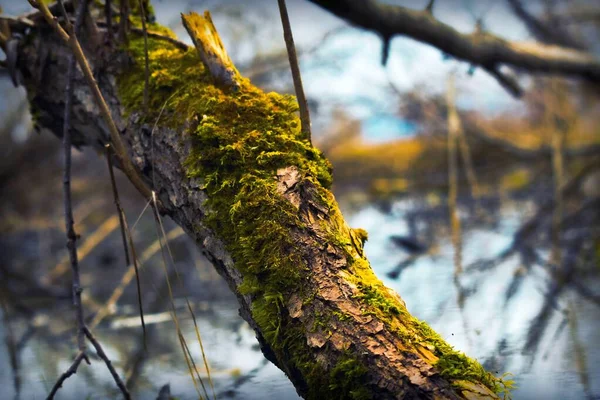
(374, 297)
(239, 141)
(347, 379)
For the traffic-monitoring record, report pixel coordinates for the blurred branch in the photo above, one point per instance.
(543, 32)
(519, 242)
(454, 127)
(482, 49)
(580, 14)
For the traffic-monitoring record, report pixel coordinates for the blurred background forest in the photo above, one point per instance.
(483, 210)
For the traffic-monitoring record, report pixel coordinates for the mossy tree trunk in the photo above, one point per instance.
(232, 168)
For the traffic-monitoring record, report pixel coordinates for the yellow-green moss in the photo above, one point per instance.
(240, 139)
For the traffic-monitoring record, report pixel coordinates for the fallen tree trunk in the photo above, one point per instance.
(232, 168)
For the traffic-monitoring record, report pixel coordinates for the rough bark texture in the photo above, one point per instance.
(338, 332)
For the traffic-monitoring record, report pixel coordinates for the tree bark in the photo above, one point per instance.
(335, 330)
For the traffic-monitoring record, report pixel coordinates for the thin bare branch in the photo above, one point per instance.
(508, 82)
(67, 374)
(291, 50)
(551, 34)
(104, 357)
(69, 223)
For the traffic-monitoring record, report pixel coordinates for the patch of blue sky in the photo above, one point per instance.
(380, 128)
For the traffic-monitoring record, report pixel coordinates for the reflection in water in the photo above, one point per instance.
(509, 316)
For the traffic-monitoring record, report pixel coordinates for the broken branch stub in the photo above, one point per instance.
(210, 48)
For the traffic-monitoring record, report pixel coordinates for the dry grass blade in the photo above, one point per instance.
(128, 276)
(126, 233)
(160, 234)
(93, 240)
(189, 306)
(187, 357)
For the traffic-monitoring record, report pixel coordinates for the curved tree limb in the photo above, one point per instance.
(481, 49)
(334, 329)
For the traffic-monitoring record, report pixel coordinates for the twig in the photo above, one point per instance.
(126, 236)
(69, 224)
(82, 330)
(147, 67)
(68, 373)
(154, 35)
(104, 357)
(291, 50)
(508, 82)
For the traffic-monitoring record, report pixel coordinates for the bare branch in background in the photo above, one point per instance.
(480, 49)
(104, 357)
(67, 374)
(554, 34)
(291, 50)
(454, 127)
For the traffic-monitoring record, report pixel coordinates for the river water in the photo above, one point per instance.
(562, 364)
